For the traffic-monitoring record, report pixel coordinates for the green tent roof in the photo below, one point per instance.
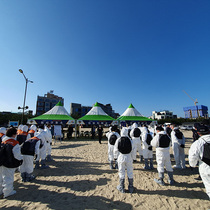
(133, 118)
(58, 112)
(96, 114)
(97, 118)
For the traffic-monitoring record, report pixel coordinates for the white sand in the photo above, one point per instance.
(80, 178)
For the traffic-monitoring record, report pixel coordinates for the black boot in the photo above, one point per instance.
(130, 186)
(121, 186)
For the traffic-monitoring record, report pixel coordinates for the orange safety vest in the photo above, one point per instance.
(24, 133)
(13, 142)
(1, 134)
(19, 132)
(31, 131)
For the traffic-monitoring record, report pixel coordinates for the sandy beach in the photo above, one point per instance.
(80, 178)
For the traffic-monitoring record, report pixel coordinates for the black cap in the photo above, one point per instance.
(203, 129)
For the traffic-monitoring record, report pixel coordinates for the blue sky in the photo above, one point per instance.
(111, 51)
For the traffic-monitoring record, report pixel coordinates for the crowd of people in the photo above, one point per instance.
(29, 147)
(123, 147)
(19, 149)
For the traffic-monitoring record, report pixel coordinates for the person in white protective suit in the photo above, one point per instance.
(28, 149)
(200, 152)
(32, 131)
(162, 144)
(12, 159)
(48, 143)
(135, 134)
(2, 133)
(43, 136)
(23, 136)
(178, 145)
(20, 129)
(147, 149)
(123, 151)
(112, 136)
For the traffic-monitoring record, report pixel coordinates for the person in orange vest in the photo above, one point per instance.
(11, 159)
(20, 129)
(23, 136)
(29, 148)
(32, 131)
(2, 133)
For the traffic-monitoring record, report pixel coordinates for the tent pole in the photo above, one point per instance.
(75, 129)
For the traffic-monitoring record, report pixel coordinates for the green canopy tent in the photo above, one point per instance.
(57, 115)
(96, 116)
(131, 115)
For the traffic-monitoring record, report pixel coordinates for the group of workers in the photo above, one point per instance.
(123, 148)
(19, 149)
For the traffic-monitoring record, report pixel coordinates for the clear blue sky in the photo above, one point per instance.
(144, 52)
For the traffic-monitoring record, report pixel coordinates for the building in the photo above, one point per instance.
(47, 102)
(108, 109)
(163, 115)
(196, 111)
(80, 111)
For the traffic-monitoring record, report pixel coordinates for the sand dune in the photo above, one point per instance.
(80, 178)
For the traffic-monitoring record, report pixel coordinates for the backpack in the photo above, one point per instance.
(206, 153)
(136, 132)
(112, 139)
(2, 154)
(149, 138)
(124, 145)
(178, 134)
(164, 141)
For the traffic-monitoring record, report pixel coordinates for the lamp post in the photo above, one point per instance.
(24, 107)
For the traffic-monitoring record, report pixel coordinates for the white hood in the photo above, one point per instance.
(124, 132)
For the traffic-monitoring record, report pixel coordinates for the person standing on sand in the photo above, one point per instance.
(124, 153)
(100, 133)
(162, 144)
(112, 136)
(11, 160)
(200, 152)
(178, 145)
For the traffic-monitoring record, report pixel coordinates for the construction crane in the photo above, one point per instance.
(195, 102)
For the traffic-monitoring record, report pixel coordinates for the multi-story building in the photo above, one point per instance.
(196, 111)
(47, 102)
(79, 110)
(163, 115)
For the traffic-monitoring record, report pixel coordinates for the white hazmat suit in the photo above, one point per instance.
(7, 174)
(125, 161)
(136, 141)
(162, 144)
(111, 147)
(178, 149)
(196, 155)
(48, 144)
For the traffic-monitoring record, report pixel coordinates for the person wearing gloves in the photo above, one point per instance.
(10, 161)
(43, 136)
(123, 151)
(112, 136)
(2, 133)
(135, 135)
(178, 144)
(200, 152)
(28, 149)
(48, 142)
(147, 149)
(32, 131)
(23, 136)
(162, 144)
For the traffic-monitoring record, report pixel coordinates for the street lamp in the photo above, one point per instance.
(24, 107)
